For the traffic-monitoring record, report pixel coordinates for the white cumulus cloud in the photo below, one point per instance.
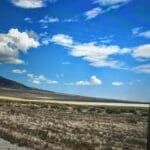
(142, 51)
(12, 43)
(62, 39)
(31, 4)
(93, 81)
(97, 55)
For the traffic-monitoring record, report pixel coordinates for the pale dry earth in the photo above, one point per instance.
(73, 102)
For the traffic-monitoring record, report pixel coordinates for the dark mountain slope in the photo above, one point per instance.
(7, 83)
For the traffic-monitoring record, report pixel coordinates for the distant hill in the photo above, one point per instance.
(7, 83)
(15, 89)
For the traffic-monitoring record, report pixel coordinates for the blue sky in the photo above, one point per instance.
(96, 48)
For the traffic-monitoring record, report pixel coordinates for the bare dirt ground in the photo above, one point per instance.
(49, 126)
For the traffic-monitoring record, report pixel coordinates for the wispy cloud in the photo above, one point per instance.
(142, 68)
(110, 2)
(145, 34)
(93, 13)
(61, 75)
(134, 82)
(137, 31)
(70, 20)
(66, 63)
(19, 71)
(49, 19)
(28, 19)
(40, 79)
(103, 7)
(13, 42)
(117, 83)
(105, 41)
(93, 81)
(43, 34)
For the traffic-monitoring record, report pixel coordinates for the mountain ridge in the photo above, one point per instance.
(13, 88)
(8, 83)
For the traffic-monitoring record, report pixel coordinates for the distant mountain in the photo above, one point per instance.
(7, 83)
(12, 88)
(15, 89)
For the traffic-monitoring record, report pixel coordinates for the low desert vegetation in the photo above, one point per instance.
(73, 127)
